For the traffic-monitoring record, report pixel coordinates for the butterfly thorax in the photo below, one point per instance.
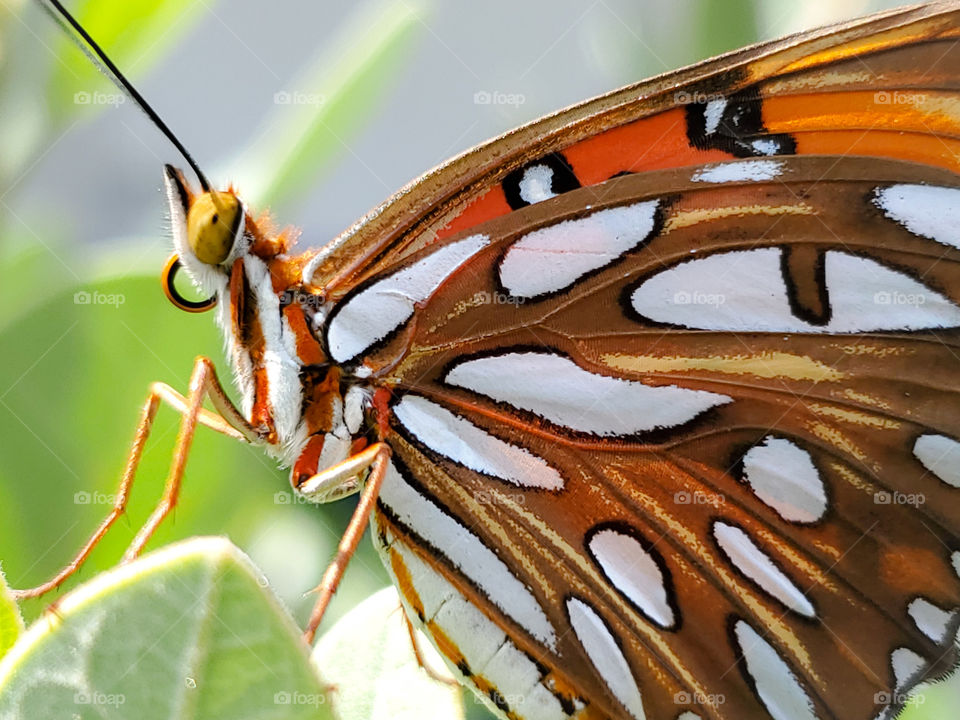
(296, 400)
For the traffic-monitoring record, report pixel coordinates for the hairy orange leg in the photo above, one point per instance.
(203, 384)
(343, 474)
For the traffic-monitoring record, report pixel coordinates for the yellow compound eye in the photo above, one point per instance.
(212, 224)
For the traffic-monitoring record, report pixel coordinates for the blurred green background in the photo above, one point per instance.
(318, 110)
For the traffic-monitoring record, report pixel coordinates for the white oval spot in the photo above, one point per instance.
(376, 311)
(776, 685)
(784, 477)
(927, 210)
(713, 114)
(467, 553)
(554, 257)
(605, 654)
(536, 185)
(557, 389)
(759, 567)
(465, 443)
(739, 171)
(932, 621)
(744, 291)
(906, 666)
(941, 456)
(632, 570)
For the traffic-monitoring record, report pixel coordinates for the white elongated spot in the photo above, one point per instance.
(557, 389)
(784, 477)
(941, 456)
(744, 291)
(713, 114)
(554, 257)
(465, 443)
(467, 553)
(488, 652)
(759, 567)
(605, 654)
(632, 570)
(775, 684)
(906, 665)
(739, 171)
(927, 210)
(376, 311)
(932, 621)
(536, 185)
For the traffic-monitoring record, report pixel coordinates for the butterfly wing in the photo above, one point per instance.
(673, 432)
(682, 452)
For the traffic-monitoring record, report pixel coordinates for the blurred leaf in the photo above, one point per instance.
(134, 34)
(368, 658)
(187, 631)
(11, 624)
(327, 104)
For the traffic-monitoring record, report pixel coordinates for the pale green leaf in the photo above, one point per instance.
(369, 661)
(185, 633)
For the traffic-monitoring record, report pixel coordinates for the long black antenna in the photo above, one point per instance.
(102, 61)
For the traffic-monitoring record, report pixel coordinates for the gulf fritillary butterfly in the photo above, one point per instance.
(657, 394)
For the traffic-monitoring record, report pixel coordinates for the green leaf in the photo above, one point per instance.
(187, 632)
(11, 624)
(327, 104)
(368, 659)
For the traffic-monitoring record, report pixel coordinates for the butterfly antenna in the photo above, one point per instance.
(103, 62)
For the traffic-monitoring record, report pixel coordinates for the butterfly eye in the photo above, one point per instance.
(212, 225)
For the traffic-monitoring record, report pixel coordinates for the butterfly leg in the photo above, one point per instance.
(375, 459)
(203, 384)
(434, 674)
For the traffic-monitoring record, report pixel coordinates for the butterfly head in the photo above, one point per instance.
(209, 235)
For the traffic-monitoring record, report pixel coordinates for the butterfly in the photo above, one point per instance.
(654, 401)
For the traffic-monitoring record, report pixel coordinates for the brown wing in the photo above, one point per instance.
(782, 510)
